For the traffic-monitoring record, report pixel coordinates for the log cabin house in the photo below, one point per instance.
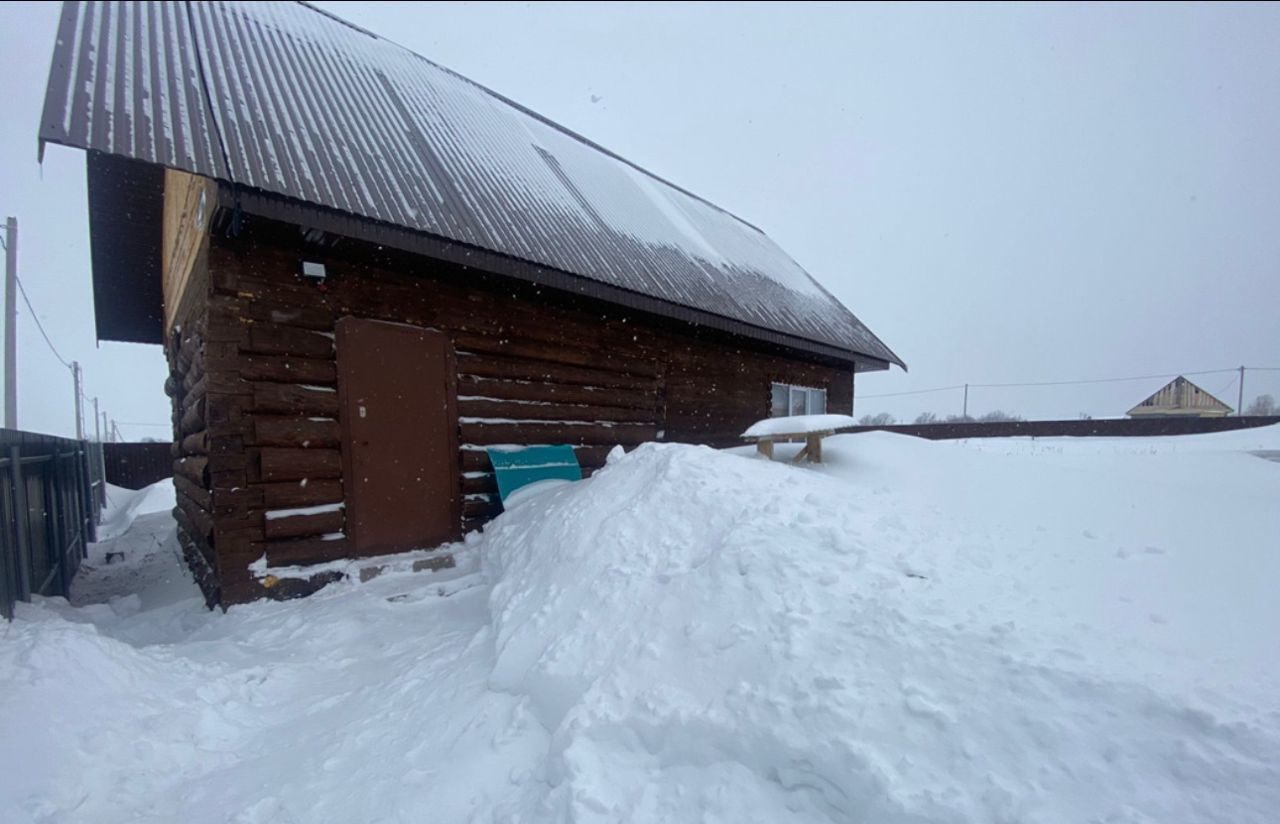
(365, 268)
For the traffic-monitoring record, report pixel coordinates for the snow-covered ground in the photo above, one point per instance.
(1065, 630)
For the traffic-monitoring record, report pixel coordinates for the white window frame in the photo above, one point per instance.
(809, 393)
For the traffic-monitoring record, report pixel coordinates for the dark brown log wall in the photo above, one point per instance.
(187, 387)
(533, 367)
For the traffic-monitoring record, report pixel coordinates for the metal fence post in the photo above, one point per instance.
(21, 523)
(84, 498)
(55, 520)
(8, 552)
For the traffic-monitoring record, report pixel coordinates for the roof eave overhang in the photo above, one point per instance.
(126, 224)
(126, 206)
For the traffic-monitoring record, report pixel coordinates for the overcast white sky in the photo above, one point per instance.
(1002, 193)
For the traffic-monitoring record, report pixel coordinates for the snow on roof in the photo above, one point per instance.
(797, 425)
(291, 101)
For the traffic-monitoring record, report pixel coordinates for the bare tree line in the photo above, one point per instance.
(885, 419)
(1262, 405)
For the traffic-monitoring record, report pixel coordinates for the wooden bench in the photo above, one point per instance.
(812, 450)
(808, 428)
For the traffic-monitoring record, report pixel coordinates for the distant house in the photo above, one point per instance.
(1182, 399)
(365, 268)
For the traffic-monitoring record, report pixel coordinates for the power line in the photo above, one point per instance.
(136, 423)
(1066, 383)
(39, 325)
(915, 392)
(1101, 380)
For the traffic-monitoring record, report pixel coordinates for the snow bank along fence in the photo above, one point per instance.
(1121, 427)
(50, 496)
(135, 465)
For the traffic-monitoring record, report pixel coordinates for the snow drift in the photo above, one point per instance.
(713, 638)
(125, 505)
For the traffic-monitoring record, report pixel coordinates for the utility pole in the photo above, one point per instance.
(1240, 401)
(75, 375)
(105, 428)
(965, 414)
(11, 323)
(97, 429)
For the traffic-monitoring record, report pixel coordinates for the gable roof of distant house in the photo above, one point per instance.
(1180, 397)
(282, 101)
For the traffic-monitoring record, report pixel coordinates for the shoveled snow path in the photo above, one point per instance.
(345, 707)
(364, 702)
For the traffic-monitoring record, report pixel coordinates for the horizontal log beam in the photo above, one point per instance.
(569, 353)
(480, 508)
(478, 484)
(193, 418)
(298, 526)
(195, 469)
(554, 433)
(197, 443)
(302, 551)
(488, 366)
(478, 408)
(279, 464)
(289, 369)
(589, 457)
(288, 494)
(193, 375)
(201, 520)
(295, 431)
(289, 399)
(195, 394)
(316, 317)
(566, 393)
(198, 494)
(276, 339)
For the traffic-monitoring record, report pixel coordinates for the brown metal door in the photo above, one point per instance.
(399, 436)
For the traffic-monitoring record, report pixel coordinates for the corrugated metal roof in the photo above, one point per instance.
(286, 99)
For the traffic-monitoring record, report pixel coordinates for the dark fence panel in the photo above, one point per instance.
(47, 514)
(1121, 427)
(135, 465)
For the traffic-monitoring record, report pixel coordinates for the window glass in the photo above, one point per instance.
(799, 400)
(817, 401)
(780, 402)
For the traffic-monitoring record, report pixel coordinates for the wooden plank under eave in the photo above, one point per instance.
(188, 209)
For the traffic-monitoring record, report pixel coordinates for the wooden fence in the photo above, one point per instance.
(135, 465)
(49, 505)
(1119, 427)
